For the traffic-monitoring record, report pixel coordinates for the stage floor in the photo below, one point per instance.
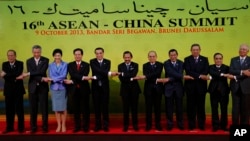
(115, 132)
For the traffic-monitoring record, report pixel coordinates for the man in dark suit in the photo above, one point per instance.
(38, 88)
(219, 92)
(100, 88)
(152, 91)
(129, 90)
(80, 89)
(240, 80)
(196, 66)
(13, 91)
(173, 89)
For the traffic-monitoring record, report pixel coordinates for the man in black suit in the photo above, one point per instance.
(240, 80)
(152, 91)
(219, 92)
(13, 91)
(38, 88)
(80, 89)
(100, 88)
(196, 66)
(129, 90)
(173, 89)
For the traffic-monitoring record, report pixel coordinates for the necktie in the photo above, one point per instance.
(100, 64)
(37, 62)
(11, 66)
(174, 64)
(196, 59)
(241, 61)
(78, 66)
(127, 67)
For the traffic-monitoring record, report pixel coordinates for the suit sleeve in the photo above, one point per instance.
(77, 76)
(173, 74)
(55, 77)
(100, 72)
(154, 74)
(234, 70)
(38, 73)
(13, 74)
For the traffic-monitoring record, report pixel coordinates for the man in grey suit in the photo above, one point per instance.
(240, 80)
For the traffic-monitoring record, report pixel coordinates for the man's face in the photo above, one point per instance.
(99, 54)
(218, 60)
(127, 58)
(195, 50)
(36, 52)
(173, 56)
(243, 51)
(78, 56)
(152, 57)
(11, 56)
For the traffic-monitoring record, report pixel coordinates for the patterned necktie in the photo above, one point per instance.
(78, 66)
(196, 59)
(241, 61)
(127, 65)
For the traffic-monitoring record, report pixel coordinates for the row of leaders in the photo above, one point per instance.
(194, 70)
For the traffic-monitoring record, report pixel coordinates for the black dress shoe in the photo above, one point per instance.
(125, 129)
(158, 128)
(7, 131)
(21, 130)
(181, 128)
(105, 129)
(86, 130)
(225, 129)
(33, 131)
(147, 129)
(169, 128)
(136, 128)
(97, 129)
(45, 131)
(76, 130)
(215, 129)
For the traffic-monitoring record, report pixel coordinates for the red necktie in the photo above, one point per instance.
(78, 68)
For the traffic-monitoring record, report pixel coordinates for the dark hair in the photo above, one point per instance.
(11, 50)
(128, 52)
(172, 50)
(36, 47)
(99, 48)
(195, 45)
(217, 53)
(57, 51)
(78, 49)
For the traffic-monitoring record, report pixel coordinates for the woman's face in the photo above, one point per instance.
(57, 57)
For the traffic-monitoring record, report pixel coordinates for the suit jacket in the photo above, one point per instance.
(242, 80)
(152, 72)
(175, 75)
(58, 74)
(11, 85)
(76, 76)
(195, 70)
(125, 78)
(218, 82)
(101, 73)
(36, 73)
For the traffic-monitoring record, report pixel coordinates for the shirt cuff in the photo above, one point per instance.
(222, 74)
(109, 74)
(210, 77)
(83, 77)
(235, 78)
